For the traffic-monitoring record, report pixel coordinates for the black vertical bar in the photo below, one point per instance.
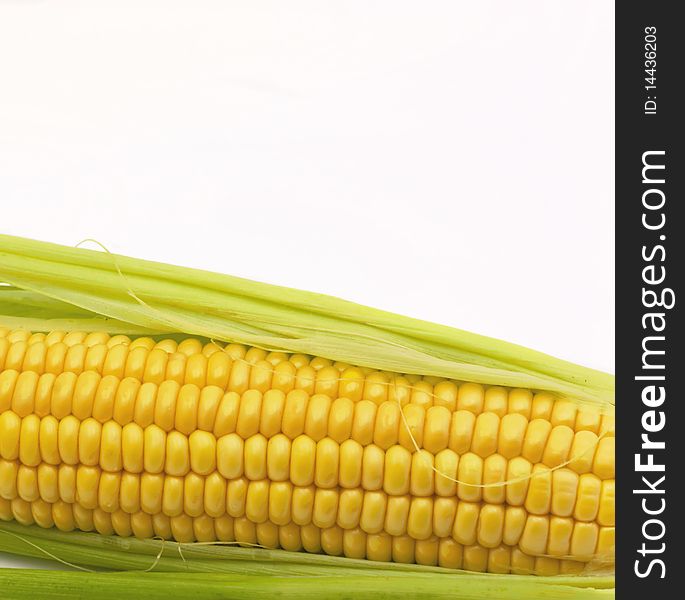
(649, 247)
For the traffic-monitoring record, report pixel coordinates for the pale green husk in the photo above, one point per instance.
(214, 571)
(56, 287)
(101, 291)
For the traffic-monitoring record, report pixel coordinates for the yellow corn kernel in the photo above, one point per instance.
(66, 483)
(327, 381)
(535, 533)
(496, 401)
(379, 547)
(534, 444)
(494, 478)
(193, 490)
(108, 492)
(103, 404)
(461, 431)
(445, 394)
(420, 520)
(470, 476)
(491, 525)
(397, 514)
(326, 463)
(151, 489)
(388, 418)
(273, 404)
(607, 499)
(560, 531)
(135, 402)
(604, 462)
(588, 497)
(129, 493)
(606, 543)
(475, 558)
(227, 415)
(373, 465)
(543, 404)
(426, 551)
(325, 508)
(512, 432)
(44, 394)
(564, 413)
(161, 525)
(450, 554)
(466, 523)
(519, 472)
(564, 491)
(214, 496)
(403, 549)
(165, 407)
(89, 437)
(111, 447)
(303, 505)
(280, 498)
(351, 460)
(255, 457)
(539, 497)
(558, 446)
(142, 525)
(332, 541)
(514, 522)
(499, 560)
(196, 370)
(376, 388)
(177, 454)
(25, 393)
(10, 428)
(485, 434)
(412, 426)
(363, 422)
(584, 540)
(521, 402)
(471, 397)
(48, 482)
(446, 467)
(436, 429)
(295, 413)
(257, 501)
(187, 402)
(132, 447)
(27, 483)
(444, 512)
(583, 451)
(202, 447)
(302, 458)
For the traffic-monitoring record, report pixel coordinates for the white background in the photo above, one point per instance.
(451, 161)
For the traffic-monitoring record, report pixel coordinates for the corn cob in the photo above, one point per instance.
(203, 442)
(358, 434)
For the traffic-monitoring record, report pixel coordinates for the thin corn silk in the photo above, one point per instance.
(50, 287)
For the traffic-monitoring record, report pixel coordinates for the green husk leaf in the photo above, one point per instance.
(163, 298)
(153, 566)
